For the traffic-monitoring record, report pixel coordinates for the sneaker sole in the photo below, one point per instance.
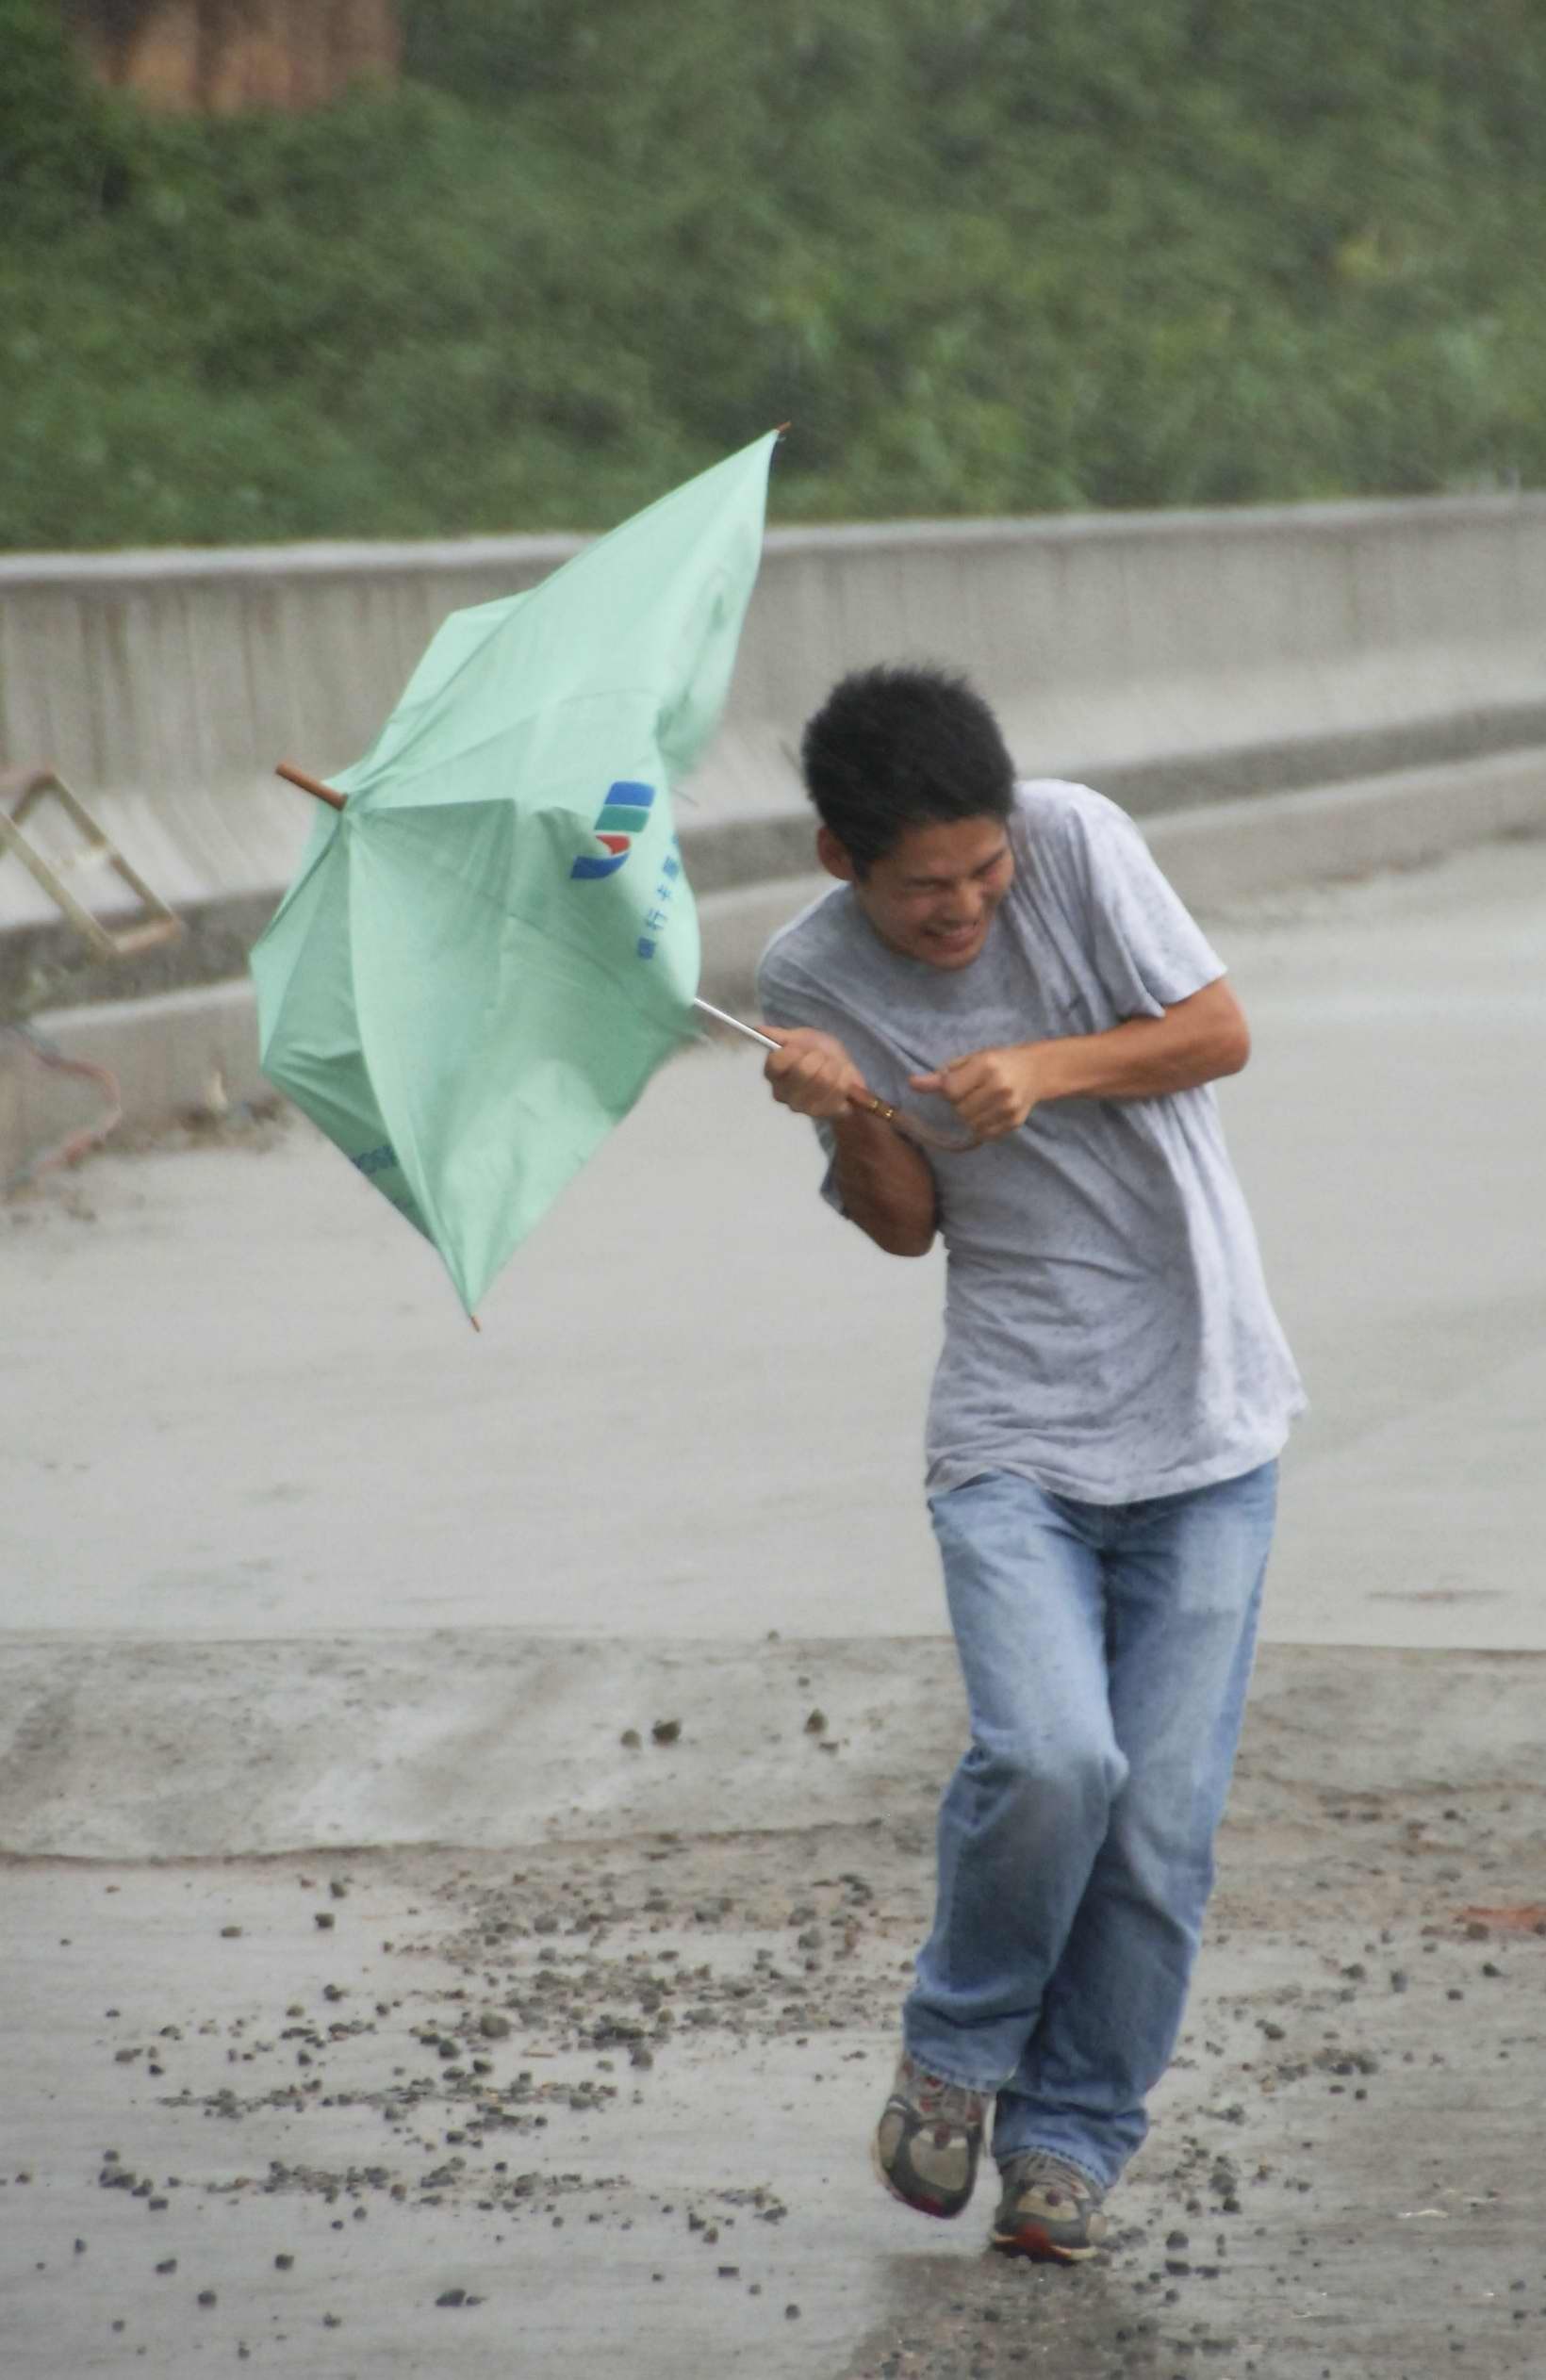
(1039, 2247)
(919, 2206)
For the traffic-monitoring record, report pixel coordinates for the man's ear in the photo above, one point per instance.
(835, 857)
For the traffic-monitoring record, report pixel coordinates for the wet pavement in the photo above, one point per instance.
(603, 2097)
(467, 1801)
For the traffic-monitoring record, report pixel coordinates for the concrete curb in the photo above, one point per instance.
(197, 1049)
(1236, 850)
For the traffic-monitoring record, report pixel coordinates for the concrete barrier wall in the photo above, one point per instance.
(1170, 657)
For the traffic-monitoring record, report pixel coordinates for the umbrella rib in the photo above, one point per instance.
(631, 985)
(538, 710)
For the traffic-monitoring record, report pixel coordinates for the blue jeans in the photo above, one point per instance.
(1107, 1651)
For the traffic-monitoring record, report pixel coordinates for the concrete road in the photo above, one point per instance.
(238, 1400)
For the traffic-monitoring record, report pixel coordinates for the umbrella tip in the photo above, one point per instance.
(308, 784)
(476, 1324)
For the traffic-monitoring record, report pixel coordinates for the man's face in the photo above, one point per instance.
(934, 895)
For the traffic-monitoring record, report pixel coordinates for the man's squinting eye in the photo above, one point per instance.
(943, 883)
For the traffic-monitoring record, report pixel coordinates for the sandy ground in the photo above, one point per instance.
(375, 2005)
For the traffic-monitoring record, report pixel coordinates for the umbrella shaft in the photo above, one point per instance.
(761, 1040)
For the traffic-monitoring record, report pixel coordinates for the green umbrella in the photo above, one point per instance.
(490, 944)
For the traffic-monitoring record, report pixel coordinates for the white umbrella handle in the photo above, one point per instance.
(764, 1040)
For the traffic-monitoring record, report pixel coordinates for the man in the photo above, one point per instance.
(1110, 1399)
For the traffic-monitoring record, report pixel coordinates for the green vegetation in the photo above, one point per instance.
(985, 256)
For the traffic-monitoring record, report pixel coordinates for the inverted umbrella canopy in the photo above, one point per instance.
(489, 950)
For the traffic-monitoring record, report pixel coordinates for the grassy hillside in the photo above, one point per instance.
(985, 256)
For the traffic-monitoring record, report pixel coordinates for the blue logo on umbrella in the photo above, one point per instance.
(624, 814)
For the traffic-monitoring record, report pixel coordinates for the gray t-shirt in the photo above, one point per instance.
(1107, 1331)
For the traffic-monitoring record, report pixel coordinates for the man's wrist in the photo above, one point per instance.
(1051, 1070)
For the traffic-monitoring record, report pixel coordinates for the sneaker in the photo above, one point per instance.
(928, 2139)
(1050, 2211)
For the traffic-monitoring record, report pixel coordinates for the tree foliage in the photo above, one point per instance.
(985, 257)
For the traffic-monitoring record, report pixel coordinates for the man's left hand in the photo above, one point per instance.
(993, 1090)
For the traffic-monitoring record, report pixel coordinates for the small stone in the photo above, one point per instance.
(816, 1723)
(631, 1739)
(493, 2026)
(207, 2297)
(230, 1933)
(1399, 1978)
(338, 1888)
(168, 2264)
(667, 1730)
(791, 2313)
(283, 2263)
(452, 2297)
(322, 1918)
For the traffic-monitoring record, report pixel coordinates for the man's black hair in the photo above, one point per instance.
(893, 747)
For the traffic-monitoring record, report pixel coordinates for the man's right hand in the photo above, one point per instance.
(812, 1073)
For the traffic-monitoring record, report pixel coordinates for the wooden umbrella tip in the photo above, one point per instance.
(308, 784)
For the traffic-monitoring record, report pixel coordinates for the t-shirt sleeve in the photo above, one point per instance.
(779, 996)
(1147, 948)
(778, 992)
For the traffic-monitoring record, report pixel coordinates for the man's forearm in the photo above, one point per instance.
(994, 1090)
(885, 1183)
(1196, 1042)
